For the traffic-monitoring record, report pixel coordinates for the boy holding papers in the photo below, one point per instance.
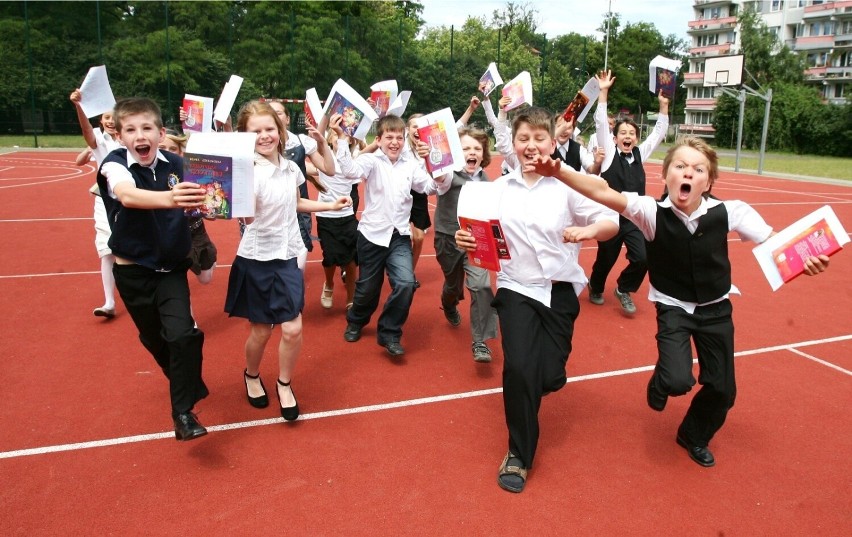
(145, 201)
(690, 274)
(537, 287)
(384, 235)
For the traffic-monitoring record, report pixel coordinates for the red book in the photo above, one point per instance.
(491, 244)
(817, 239)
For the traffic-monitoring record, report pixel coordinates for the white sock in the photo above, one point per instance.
(108, 281)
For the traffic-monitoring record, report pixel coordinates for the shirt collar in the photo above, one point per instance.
(131, 161)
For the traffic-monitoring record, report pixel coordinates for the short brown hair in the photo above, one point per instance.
(136, 105)
(480, 136)
(536, 118)
(390, 123)
(625, 121)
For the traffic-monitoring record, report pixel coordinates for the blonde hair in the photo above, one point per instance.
(258, 108)
(536, 118)
(702, 147)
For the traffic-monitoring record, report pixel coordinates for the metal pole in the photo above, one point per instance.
(543, 66)
(449, 94)
(608, 24)
(30, 67)
(346, 49)
(499, 38)
(168, 64)
(98, 16)
(399, 58)
(765, 131)
(741, 97)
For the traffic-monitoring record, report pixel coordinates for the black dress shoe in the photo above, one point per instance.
(289, 413)
(701, 455)
(394, 348)
(352, 333)
(656, 399)
(187, 427)
(261, 401)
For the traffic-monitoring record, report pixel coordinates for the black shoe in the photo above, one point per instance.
(394, 348)
(187, 427)
(453, 316)
(701, 455)
(417, 284)
(261, 401)
(352, 333)
(656, 399)
(289, 413)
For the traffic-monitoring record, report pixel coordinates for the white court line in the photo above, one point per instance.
(387, 406)
(819, 361)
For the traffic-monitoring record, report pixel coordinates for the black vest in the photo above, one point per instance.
(624, 177)
(693, 267)
(158, 239)
(572, 155)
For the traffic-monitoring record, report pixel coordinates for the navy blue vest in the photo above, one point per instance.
(624, 177)
(158, 239)
(693, 267)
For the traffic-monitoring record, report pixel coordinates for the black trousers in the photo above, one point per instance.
(158, 302)
(608, 251)
(711, 328)
(536, 344)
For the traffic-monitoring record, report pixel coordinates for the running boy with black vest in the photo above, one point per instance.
(145, 199)
(690, 274)
(623, 171)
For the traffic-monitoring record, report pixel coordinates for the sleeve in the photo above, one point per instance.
(747, 222)
(422, 182)
(642, 211)
(489, 112)
(603, 136)
(587, 159)
(115, 173)
(655, 138)
(309, 144)
(353, 168)
(586, 212)
(503, 143)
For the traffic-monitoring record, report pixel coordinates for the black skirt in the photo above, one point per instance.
(267, 292)
(420, 211)
(337, 239)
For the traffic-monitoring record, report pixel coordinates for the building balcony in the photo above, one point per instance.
(816, 72)
(839, 74)
(693, 79)
(711, 50)
(827, 10)
(699, 129)
(710, 3)
(814, 42)
(700, 104)
(707, 25)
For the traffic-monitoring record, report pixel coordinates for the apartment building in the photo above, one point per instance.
(821, 29)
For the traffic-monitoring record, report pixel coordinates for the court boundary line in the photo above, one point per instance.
(77, 446)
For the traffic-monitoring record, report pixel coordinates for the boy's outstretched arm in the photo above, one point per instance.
(593, 187)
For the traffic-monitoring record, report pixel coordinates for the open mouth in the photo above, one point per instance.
(471, 163)
(144, 151)
(684, 191)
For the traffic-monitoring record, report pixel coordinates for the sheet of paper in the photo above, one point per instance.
(519, 89)
(358, 115)
(227, 99)
(438, 129)
(313, 107)
(583, 101)
(97, 96)
(489, 80)
(399, 105)
(480, 200)
(240, 147)
(764, 252)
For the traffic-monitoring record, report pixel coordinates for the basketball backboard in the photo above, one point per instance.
(724, 70)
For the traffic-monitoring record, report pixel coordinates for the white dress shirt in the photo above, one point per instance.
(387, 191)
(606, 140)
(274, 233)
(742, 219)
(533, 219)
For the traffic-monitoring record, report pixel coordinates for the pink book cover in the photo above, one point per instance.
(440, 154)
(491, 244)
(818, 239)
(194, 115)
(382, 102)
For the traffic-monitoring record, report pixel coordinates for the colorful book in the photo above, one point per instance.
(358, 115)
(782, 256)
(491, 244)
(313, 107)
(489, 80)
(199, 113)
(519, 90)
(223, 162)
(438, 129)
(662, 76)
(579, 107)
(215, 174)
(383, 94)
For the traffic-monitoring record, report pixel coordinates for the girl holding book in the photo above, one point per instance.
(266, 285)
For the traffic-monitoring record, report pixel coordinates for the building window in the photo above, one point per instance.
(800, 30)
(777, 5)
(838, 91)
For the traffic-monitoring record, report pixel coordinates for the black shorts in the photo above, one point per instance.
(337, 239)
(420, 211)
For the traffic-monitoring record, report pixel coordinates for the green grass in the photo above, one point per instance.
(52, 141)
(782, 163)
